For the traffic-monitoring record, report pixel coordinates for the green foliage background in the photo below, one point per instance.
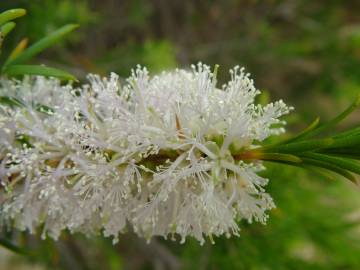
(306, 52)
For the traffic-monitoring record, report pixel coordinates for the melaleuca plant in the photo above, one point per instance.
(172, 155)
(16, 63)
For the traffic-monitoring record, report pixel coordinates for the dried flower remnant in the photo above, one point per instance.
(156, 154)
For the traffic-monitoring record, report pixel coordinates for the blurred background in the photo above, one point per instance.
(305, 52)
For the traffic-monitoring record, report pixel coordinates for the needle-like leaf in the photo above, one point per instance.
(11, 14)
(17, 50)
(330, 167)
(332, 123)
(348, 141)
(267, 156)
(348, 133)
(344, 163)
(305, 132)
(15, 70)
(42, 44)
(7, 28)
(297, 147)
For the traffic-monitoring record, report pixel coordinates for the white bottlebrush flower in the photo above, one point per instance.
(157, 154)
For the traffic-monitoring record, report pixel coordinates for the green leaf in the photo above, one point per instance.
(306, 131)
(350, 155)
(348, 141)
(350, 151)
(17, 50)
(11, 15)
(42, 44)
(7, 28)
(348, 133)
(298, 147)
(344, 163)
(330, 167)
(15, 70)
(10, 246)
(332, 123)
(278, 157)
(322, 168)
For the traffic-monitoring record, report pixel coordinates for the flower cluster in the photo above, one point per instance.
(155, 154)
